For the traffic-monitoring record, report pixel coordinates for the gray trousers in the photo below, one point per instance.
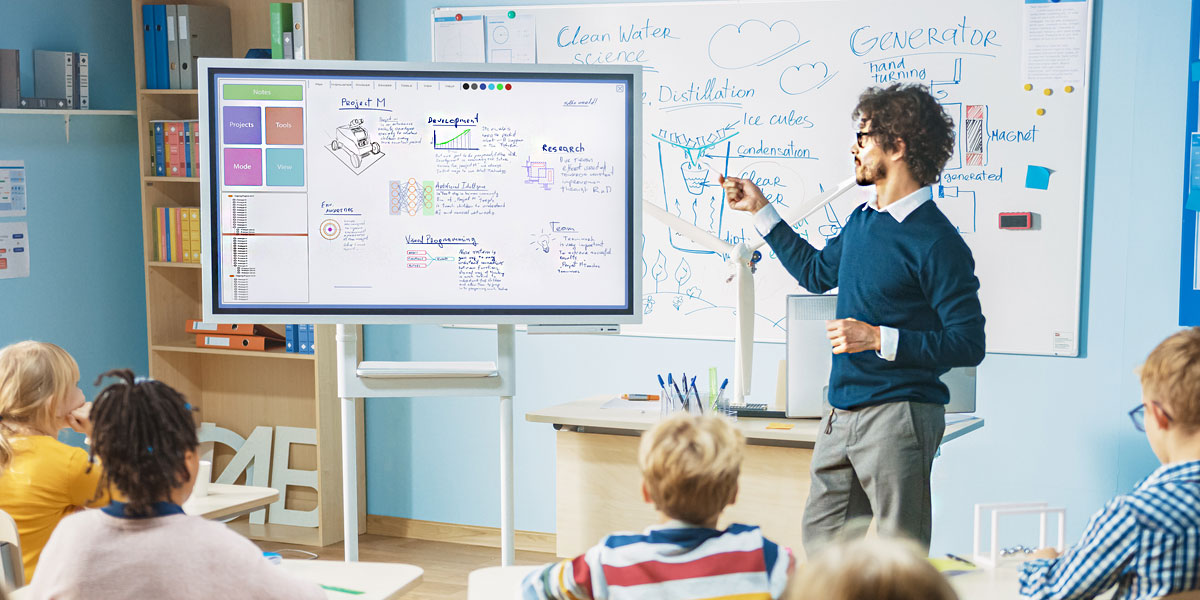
(873, 461)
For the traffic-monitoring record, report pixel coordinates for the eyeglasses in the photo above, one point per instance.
(859, 135)
(1138, 415)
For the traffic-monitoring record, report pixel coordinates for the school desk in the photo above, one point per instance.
(377, 581)
(226, 501)
(1000, 583)
(598, 485)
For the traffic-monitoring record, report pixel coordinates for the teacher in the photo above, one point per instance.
(908, 311)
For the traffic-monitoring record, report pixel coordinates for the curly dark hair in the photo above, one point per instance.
(910, 114)
(142, 430)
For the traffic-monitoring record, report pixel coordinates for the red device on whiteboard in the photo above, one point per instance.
(1017, 220)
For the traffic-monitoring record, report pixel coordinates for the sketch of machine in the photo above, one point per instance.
(353, 138)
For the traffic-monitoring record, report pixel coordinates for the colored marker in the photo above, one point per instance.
(640, 396)
(342, 590)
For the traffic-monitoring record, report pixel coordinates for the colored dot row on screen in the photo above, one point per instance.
(487, 86)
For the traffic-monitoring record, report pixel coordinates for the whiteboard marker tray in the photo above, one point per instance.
(374, 369)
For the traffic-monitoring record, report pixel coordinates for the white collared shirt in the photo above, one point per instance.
(889, 337)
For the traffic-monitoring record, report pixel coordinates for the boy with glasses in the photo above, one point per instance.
(1147, 543)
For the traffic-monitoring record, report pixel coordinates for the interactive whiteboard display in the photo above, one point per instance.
(396, 192)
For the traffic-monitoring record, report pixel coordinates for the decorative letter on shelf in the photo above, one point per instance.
(255, 451)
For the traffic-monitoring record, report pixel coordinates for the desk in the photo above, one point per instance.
(597, 481)
(225, 501)
(379, 581)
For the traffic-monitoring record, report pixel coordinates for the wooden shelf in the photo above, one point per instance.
(172, 265)
(146, 92)
(165, 179)
(67, 112)
(242, 390)
(273, 353)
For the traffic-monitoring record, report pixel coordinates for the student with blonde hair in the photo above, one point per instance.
(42, 480)
(690, 467)
(869, 569)
(1147, 542)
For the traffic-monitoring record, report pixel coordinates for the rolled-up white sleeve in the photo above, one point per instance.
(765, 220)
(889, 339)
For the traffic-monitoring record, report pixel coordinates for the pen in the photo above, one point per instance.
(664, 407)
(677, 393)
(640, 396)
(960, 559)
(721, 393)
(696, 394)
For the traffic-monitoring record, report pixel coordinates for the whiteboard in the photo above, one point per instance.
(395, 192)
(765, 90)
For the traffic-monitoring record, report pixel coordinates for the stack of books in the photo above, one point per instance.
(176, 148)
(177, 234)
(175, 35)
(286, 20)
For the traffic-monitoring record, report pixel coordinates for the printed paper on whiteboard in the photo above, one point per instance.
(12, 188)
(1053, 40)
(510, 40)
(14, 250)
(457, 40)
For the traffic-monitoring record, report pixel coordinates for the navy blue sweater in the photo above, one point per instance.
(918, 277)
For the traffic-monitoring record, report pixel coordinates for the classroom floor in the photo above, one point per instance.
(446, 565)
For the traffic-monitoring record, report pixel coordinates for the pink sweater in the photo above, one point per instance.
(97, 556)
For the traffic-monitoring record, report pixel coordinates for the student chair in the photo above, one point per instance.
(10, 541)
(496, 583)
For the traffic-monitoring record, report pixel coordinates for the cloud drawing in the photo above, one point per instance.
(752, 43)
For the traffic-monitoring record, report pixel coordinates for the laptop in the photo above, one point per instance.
(809, 360)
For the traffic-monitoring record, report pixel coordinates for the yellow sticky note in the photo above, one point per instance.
(784, 426)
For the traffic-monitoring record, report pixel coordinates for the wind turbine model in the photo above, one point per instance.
(742, 260)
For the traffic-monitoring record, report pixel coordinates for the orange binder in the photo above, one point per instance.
(198, 326)
(234, 342)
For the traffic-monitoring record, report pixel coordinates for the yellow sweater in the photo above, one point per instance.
(47, 481)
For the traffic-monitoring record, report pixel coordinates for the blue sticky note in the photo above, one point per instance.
(1196, 71)
(1037, 178)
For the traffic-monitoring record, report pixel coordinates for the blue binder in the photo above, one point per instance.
(187, 149)
(148, 41)
(160, 155)
(161, 63)
(289, 332)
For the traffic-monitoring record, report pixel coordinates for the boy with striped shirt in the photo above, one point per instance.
(690, 468)
(1147, 543)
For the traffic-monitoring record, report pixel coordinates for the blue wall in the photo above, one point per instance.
(1056, 427)
(86, 290)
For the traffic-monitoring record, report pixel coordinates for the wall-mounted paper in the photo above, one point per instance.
(14, 250)
(12, 188)
(458, 39)
(510, 40)
(1054, 40)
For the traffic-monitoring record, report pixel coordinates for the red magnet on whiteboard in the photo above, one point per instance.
(458, 17)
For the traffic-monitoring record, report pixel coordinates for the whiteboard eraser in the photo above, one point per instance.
(1016, 220)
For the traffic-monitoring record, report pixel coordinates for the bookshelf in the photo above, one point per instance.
(241, 390)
